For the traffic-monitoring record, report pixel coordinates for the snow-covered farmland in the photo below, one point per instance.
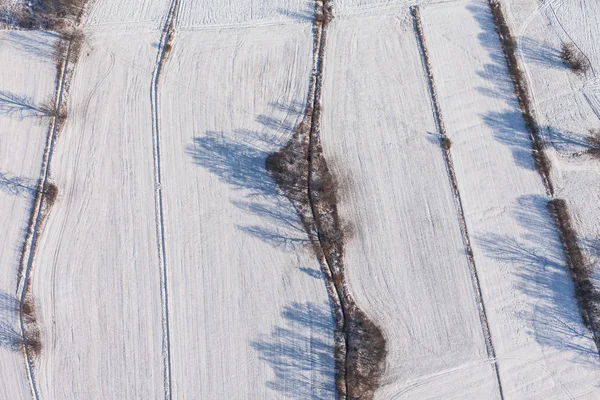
(96, 274)
(567, 105)
(543, 349)
(247, 300)
(407, 265)
(22, 142)
(171, 267)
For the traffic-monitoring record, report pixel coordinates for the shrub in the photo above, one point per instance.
(446, 143)
(581, 272)
(33, 341)
(50, 193)
(574, 58)
(509, 46)
(365, 354)
(594, 142)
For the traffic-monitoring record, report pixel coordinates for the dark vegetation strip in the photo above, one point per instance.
(445, 145)
(301, 173)
(580, 270)
(509, 46)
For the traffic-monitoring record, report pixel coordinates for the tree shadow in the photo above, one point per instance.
(540, 53)
(565, 141)
(10, 336)
(306, 15)
(13, 104)
(238, 159)
(38, 43)
(301, 352)
(509, 130)
(17, 186)
(536, 255)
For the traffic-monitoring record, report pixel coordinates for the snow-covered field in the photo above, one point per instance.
(22, 141)
(543, 349)
(248, 304)
(96, 276)
(567, 105)
(407, 265)
(170, 266)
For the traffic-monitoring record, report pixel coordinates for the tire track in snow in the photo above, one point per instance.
(437, 115)
(163, 52)
(37, 219)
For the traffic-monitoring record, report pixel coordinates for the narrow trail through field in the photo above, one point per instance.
(163, 52)
(445, 148)
(37, 218)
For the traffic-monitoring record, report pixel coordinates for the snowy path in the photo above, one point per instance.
(407, 266)
(543, 349)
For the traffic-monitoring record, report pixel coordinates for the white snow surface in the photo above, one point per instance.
(22, 143)
(96, 271)
(248, 311)
(542, 347)
(407, 265)
(567, 106)
(248, 302)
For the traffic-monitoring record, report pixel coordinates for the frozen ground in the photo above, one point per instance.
(96, 274)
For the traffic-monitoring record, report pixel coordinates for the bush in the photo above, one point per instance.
(509, 46)
(581, 272)
(365, 354)
(33, 341)
(50, 193)
(446, 143)
(594, 142)
(574, 58)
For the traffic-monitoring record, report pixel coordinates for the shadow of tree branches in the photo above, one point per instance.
(16, 185)
(13, 104)
(10, 336)
(238, 159)
(39, 43)
(555, 320)
(301, 352)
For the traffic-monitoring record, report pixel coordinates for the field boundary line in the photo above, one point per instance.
(38, 217)
(164, 49)
(437, 115)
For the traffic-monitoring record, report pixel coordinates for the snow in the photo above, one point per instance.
(21, 147)
(542, 347)
(117, 16)
(206, 13)
(567, 106)
(248, 312)
(407, 265)
(248, 302)
(96, 271)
